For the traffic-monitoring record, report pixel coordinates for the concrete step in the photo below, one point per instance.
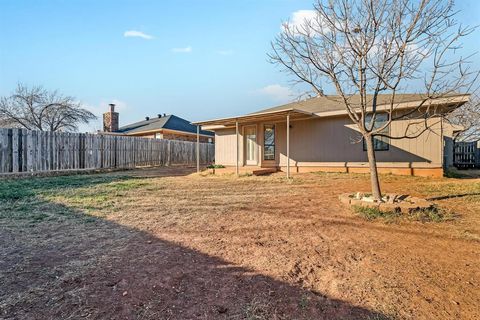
(264, 171)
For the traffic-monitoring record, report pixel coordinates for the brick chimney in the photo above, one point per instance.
(110, 120)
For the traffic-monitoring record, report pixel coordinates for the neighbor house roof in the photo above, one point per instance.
(324, 106)
(169, 122)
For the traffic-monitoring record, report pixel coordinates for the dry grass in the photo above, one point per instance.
(128, 246)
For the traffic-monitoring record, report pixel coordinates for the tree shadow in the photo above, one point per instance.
(451, 196)
(463, 174)
(139, 172)
(21, 188)
(69, 265)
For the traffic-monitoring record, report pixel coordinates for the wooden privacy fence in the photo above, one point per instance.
(467, 154)
(24, 150)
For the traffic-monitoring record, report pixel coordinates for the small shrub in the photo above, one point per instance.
(215, 166)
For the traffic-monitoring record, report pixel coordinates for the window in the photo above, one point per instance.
(158, 136)
(379, 143)
(269, 142)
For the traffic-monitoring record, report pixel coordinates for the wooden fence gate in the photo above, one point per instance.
(24, 150)
(466, 155)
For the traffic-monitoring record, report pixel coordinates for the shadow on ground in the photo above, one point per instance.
(69, 265)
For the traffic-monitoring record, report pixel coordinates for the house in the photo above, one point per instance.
(164, 126)
(317, 135)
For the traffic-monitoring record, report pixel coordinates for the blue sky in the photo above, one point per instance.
(196, 59)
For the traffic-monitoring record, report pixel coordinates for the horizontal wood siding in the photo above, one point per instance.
(335, 140)
(33, 151)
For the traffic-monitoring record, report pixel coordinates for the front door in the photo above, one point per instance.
(251, 145)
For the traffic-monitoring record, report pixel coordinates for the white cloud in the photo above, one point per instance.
(182, 50)
(277, 92)
(137, 34)
(298, 19)
(225, 52)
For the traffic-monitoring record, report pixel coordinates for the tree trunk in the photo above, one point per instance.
(372, 162)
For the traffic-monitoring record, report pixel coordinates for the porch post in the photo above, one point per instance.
(237, 153)
(288, 145)
(198, 148)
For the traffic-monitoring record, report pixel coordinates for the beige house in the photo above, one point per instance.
(317, 135)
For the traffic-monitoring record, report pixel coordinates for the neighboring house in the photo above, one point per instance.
(323, 138)
(164, 126)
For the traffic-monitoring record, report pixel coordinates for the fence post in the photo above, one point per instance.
(477, 146)
(168, 153)
(9, 151)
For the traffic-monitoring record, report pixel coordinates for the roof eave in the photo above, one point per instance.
(253, 116)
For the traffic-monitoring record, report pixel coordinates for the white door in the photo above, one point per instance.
(251, 145)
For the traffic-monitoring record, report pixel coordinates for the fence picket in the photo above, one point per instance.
(27, 150)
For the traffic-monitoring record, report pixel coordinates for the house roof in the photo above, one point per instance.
(335, 103)
(170, 122)
(332, 106)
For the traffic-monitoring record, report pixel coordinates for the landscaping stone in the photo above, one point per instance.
(391, 202)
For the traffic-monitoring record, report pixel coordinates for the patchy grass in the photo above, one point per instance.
(469, 191)
(431, 215)
(28, 199)
(259, 309)
(374, 213)
(424, 215)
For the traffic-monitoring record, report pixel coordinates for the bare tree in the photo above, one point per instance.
(371, 50)
(38, 109)
(467, 117)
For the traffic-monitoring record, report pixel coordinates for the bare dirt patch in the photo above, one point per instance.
(157, 244)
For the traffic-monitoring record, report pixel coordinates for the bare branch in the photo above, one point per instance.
(371, 51)
(38, 109)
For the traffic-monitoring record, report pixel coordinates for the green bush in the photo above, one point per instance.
(215, 166)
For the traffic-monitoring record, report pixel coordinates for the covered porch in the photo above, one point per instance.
(251, 142)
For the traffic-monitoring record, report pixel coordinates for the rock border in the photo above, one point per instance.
(394, 203)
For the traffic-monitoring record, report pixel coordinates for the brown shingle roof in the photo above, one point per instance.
(335, 103)
(171, 122)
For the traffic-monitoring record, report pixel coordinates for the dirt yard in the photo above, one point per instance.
(162, 244)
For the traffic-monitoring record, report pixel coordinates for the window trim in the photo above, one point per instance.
(270, 145)
(378, 141)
